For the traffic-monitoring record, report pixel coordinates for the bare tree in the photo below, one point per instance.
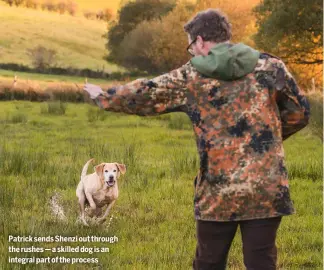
(41, 57)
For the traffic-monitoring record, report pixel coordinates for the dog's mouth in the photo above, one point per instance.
(110, 183)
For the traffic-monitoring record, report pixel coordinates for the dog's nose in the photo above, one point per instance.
(111, 178)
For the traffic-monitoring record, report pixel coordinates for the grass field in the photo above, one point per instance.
(78, 41)
(45, 145)
(45, 78)
(99, 4)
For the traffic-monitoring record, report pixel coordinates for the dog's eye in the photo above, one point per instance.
(114, 170)
(106, 170)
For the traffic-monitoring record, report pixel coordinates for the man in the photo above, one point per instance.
(242, 104)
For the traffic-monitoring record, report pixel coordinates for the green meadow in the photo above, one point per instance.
(45, 145)
(43, 78)
(79, 42)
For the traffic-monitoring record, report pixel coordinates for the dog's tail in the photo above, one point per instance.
(85, 167)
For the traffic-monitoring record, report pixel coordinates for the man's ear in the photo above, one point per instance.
(99, 170)
(121, 168)
(200, 41)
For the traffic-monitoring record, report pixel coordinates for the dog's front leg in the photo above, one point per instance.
(92, 203)
(103, 218)
(81, 204)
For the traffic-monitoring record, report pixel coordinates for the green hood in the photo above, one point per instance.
(227, 61)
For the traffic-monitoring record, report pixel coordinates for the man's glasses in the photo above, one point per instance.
(189, 49)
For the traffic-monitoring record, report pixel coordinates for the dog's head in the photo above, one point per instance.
(110, 172)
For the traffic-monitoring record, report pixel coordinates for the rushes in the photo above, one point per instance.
(54, 107)
(179, 121)
(311, 169)
(95, 114)
(183, 161)
(16, 117)
(316, 118)
(21, 161)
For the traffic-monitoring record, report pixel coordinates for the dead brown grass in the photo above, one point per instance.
(43, 91)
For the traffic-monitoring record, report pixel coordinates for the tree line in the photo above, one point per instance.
(148, 34)
(63, 7)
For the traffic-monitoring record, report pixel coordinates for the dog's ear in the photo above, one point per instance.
(99, 169)
(121, 168)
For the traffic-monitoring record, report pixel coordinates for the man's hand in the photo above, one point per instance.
(93, 90)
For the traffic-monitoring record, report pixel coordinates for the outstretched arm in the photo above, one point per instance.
(163, 94)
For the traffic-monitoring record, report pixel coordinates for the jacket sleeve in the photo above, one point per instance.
(293, 105)
(163, 94)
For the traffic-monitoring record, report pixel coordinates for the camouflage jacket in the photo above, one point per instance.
(239, 127)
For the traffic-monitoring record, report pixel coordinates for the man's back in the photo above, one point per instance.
(239, 138)
(239, 126)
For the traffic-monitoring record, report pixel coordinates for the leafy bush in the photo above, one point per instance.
(104, 15)
(31, 4)
(18, 2)
(90, 14)
(61, 7)
(135, 48)
(131, 15)
(49, 5)
(152, 47)
(9, 2)
(71, 7)
(168, 49)
(41, 57)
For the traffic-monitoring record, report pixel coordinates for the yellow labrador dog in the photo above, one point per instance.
(99, 189)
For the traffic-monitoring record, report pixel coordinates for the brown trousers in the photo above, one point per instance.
(258, 236)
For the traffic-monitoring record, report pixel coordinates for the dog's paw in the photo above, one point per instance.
(85, 223)
(91, 213)
(100, 220)
(81, 221)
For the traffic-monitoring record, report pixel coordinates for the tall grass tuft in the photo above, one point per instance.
(16, 117)
(130, 154)
(179, 121)
(95, 114)
(53, 107)
(25, 162)
(183, 161)
(312, 169)
(316, 119)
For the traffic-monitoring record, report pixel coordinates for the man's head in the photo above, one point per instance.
(206, 29)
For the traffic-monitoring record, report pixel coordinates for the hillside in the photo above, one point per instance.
(98, 4)
(78, 41)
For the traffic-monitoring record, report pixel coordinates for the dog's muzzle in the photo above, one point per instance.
(110, 182)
